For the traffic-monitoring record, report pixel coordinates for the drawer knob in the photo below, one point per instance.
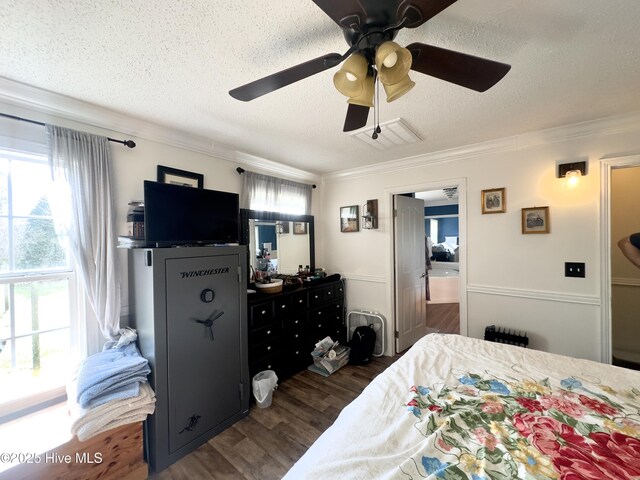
(295, 322)
(319, 313)
(297, 352)
(268, 332)
(300, 301)
(319, 325)
(284, 306)
(315, 296)
(297, 335)
(269, 367)
(269, 347)
(328, 293)
(264, 312)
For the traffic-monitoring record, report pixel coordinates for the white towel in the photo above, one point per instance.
(88, 422)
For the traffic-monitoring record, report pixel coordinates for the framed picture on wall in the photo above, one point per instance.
(349, 221)
(180, 177)
(535, 220)
(494, 200)
(299, 228)
(282, 227)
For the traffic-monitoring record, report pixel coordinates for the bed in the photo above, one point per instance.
(459, 408)
(446, 251)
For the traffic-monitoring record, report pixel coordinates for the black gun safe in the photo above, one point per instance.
(189, 306)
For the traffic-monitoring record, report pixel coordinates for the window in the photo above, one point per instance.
(37, 287)
(272, 194)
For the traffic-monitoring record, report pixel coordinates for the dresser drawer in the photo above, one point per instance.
(294, 336)
(282, 306)
(297, 352)
(261, 314)
(272, 362)
(265, 334)
(296, 322)
(328, 293)
(315, 297)
(270, 347)
(316, 330)
(335, 311)
(299, 301)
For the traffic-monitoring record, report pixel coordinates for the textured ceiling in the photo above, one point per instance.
(173, 63)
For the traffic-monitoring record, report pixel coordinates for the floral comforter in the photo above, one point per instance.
(456, 408)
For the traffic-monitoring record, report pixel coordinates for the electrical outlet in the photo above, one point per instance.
(574, 269)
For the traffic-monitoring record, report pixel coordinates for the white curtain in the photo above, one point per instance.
(81, 162)
(272, 194)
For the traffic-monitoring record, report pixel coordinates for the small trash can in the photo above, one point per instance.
(264, 383)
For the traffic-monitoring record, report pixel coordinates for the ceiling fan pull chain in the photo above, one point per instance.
(376, 109)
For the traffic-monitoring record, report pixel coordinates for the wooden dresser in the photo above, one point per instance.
(284, 327)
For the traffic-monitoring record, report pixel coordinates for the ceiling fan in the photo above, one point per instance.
(369, 27)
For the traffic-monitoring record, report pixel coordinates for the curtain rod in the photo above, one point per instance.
(128, 143)
(241, 170)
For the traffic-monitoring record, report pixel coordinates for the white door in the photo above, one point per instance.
(409, 271)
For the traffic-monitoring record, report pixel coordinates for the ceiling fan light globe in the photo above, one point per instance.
(396, 90)
(365, 99)
(393, 62)
(349, 80)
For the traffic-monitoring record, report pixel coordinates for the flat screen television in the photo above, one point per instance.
(179, 215)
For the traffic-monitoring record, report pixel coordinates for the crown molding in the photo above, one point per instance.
(262, 165)
(443, 156)
(50, 107)
(605, 126)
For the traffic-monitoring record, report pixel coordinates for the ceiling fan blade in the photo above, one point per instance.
(286, 77)
(416, 12)
(357, 116)
(476, 73)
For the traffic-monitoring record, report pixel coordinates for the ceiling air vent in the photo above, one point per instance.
(395, 133)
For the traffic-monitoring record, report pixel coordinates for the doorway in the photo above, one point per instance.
(442, 238)
(619, 279)
(446, 311)
(625, 276)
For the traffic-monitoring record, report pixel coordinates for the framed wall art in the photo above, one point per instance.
(349, 221)
(180, 177)
(535, 220)
(299, 228)
(494, 200)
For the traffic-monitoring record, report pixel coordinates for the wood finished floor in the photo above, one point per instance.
(265, 444)
(444, 316)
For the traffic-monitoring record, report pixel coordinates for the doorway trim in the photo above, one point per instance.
(607, 164)
(461, 183)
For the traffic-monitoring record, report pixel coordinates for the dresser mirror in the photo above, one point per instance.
(278, 242)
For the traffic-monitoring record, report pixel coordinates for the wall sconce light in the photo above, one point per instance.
(370, 214)
(572, 172)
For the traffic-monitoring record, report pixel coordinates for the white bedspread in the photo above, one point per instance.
(415, 420)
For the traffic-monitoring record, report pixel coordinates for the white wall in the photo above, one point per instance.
(512, 280)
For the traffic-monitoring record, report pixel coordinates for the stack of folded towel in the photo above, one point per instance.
(110, 390)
